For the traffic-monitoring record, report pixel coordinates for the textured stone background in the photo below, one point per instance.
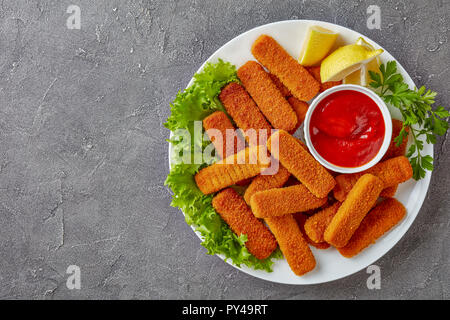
(83, 156)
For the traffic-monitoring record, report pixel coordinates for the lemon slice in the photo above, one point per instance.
(317, 45)
(362, 76)
(346, 60)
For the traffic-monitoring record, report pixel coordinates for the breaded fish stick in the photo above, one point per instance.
(353, 210)
(235, 212)
(220, 121)
(281, 201)
(243, 110)
(301, 164)
(301, 219)
(265, 182)
(394, 151)
(284, 91)
(389, 192)
(243, 165)
(294, 76)
(391, 172)
(300, 108)
(378, 221)
(266, 95)
(292, 244)
(315, 72)
(316, 225)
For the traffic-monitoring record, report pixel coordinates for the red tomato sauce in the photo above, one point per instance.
(347, 128)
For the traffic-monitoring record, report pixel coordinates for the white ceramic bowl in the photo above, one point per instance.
(387, 124)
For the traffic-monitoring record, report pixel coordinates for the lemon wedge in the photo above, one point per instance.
(317, 45)
(362, 76)
(346, 60)
(355, 77)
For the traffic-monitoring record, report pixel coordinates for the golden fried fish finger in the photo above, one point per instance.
(235, 212)
(389, 192)
(243, 165)
(244, 111)
(301, 164)
(292, 244)
(391, 172)
(300, 108)
(293, 75)
(301, 219)
(316, 225)
(220, 121)
(359, 201)
(265, 182)
(281, 201)
(379, 220)
(267, 97)
(394, 151)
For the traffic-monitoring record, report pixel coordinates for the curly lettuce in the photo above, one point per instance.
(194, 104)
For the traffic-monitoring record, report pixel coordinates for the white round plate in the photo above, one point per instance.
(330, 264)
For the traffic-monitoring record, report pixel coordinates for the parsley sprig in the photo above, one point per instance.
(419, 118)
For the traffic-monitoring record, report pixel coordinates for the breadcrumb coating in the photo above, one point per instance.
(359, 201)
(301, 218)
(243, 165)
(244, 111)
(378, 221)
(394, 151)
(389, 192)
(281, 201)
(265, 182)
(300, 108)
(268, 98)
(293, 75)
(235, 212)
(220, 121)
(301, 164)
(391, 172)
(316, 225)
(292, 244)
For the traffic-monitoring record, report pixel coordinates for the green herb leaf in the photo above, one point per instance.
(441, 112)
(416, 109)
(195, 103)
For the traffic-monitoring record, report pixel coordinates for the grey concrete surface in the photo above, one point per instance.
(83, 156)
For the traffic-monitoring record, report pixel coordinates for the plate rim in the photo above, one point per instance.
(420, 200)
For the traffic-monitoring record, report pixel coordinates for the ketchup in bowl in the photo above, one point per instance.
(347, 128)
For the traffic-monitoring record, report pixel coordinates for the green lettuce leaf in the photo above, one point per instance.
(194, 104)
